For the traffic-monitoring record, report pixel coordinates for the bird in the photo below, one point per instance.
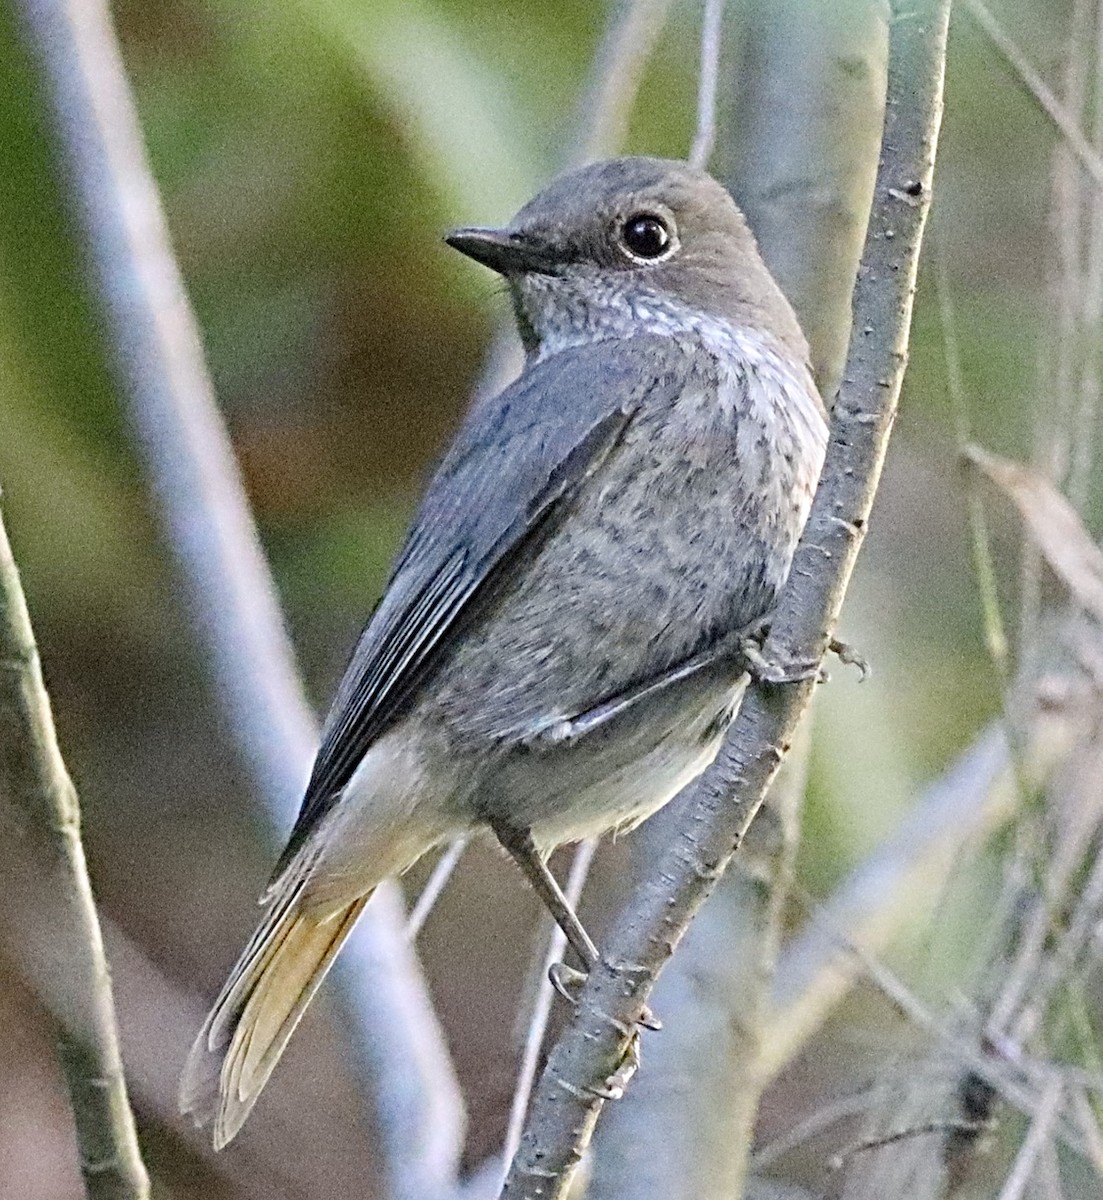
(557, 651)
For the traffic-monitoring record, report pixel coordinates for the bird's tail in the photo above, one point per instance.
(263, 1000)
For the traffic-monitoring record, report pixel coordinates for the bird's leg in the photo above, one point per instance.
(565, 980)
(522, 850)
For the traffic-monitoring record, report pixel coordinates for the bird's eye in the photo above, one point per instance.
(646, 235)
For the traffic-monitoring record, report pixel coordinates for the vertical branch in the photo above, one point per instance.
(800, 152)
(599, 128)
(67, 955)
(610, 95)
(708, 74)
(798, 146)
(158, 356)
(589, 1064)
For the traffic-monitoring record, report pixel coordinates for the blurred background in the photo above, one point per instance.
(309, 157)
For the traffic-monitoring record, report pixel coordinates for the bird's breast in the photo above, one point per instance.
(685, 535)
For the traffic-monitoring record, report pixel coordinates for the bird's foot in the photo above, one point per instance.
(568, 983)
(773, 671)
(614, 1086)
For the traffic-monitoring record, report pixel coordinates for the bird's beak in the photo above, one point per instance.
(503, 250)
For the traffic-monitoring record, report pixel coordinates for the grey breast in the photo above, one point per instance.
(675, 543)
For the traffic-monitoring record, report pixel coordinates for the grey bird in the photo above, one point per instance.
(557, 651)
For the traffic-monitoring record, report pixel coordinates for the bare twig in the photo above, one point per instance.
(599, 127)
(1041, 1131)
(39, 806)
(610, 95)
(1083, 430)
(720, 805)
(1085, 153)
(434, 885)
(995, 635)
(712, 24)
(158, 356)
(1057, 360)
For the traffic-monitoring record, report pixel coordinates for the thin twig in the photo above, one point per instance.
(719, 806)
(1039, 89)
(598, 128)
(1057, 361)
(1083, 431)
(995, 636)
(712, 24)
(158, 357)
(1041, 1131)
(601, 121)
(75, 985)
(434, 885)
(534, 1039)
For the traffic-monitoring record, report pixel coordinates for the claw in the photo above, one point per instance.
(765, 670)
(614, 1087)
(568, 983)
(850, 657)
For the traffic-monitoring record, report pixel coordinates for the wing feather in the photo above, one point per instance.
(491, 499)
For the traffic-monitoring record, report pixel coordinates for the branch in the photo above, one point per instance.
(808, 110)
(721, 803)
(601, 122)
(155, 340)
(1063, 121)
(600, 126)
(799, 146)
(67, 957)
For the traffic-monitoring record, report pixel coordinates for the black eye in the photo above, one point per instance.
(646, 236)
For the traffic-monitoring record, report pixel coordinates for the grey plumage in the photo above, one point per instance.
(554, 653)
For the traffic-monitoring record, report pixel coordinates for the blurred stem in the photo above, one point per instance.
(898, 885)
(74, 981)
(801, 125)
(1052, 426)
(592, 1060)
(155, 342)
(601, 121)
(712, 24)
(995, 635)
(1085, 417)
(799, 147)
(599, 128)
(1065, 122)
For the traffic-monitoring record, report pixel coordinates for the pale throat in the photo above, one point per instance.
(564, 317)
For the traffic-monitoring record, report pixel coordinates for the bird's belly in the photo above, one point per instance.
(616, 777)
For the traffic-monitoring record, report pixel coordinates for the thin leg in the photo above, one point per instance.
(523, 850)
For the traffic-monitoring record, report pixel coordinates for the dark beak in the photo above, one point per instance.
(503, 251)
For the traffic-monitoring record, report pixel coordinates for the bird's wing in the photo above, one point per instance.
(491, 502)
